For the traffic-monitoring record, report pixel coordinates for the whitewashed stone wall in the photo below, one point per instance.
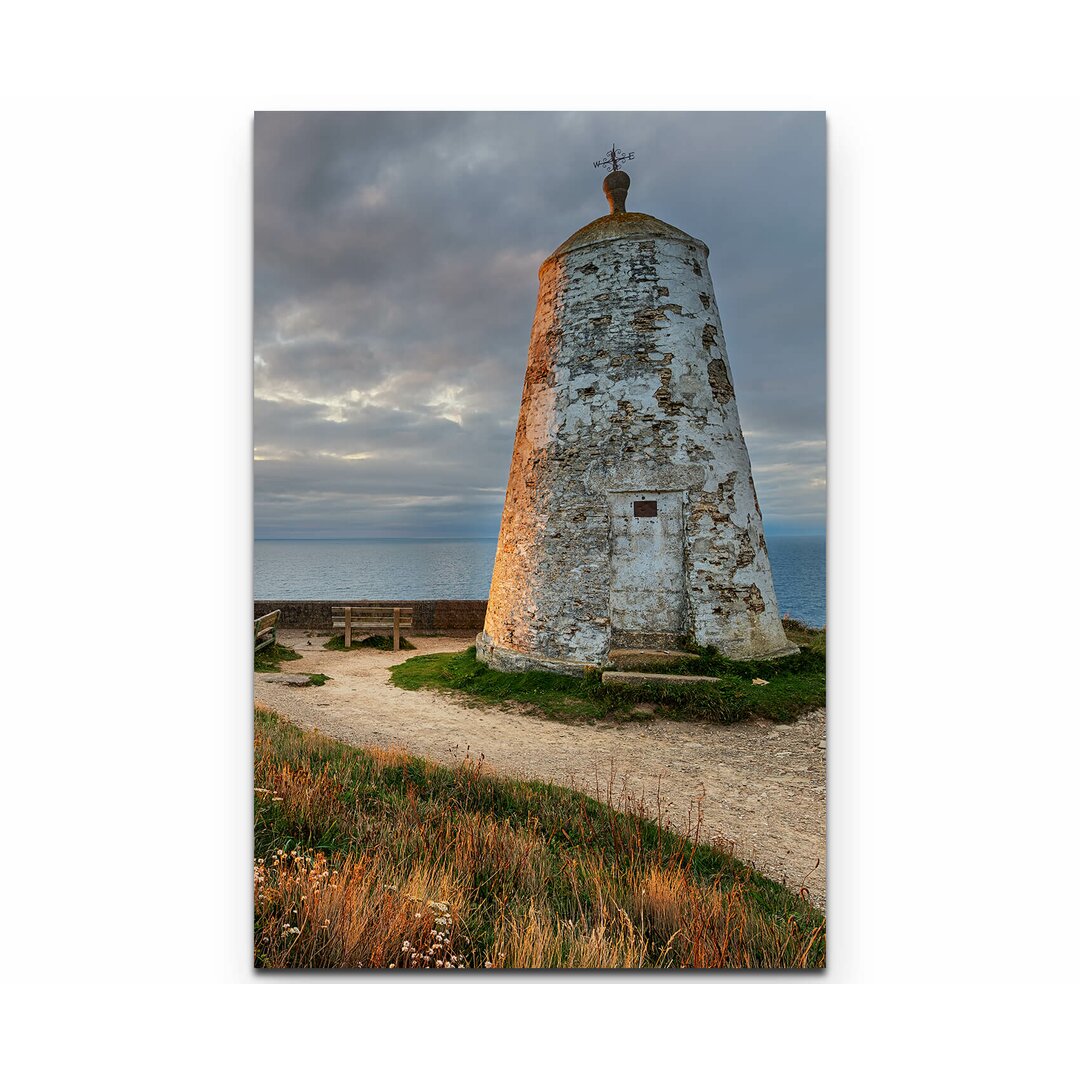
(628, 398)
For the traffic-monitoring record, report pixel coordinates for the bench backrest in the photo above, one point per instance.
(266, 630)
(367, 611)
(371, 616)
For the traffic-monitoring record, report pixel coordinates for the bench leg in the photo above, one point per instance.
(348, 628)
(397, 627)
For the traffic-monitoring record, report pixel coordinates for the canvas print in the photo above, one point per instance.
(539, 493)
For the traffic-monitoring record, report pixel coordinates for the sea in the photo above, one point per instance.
(461, 570)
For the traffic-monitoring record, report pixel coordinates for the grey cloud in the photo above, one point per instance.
(395, 280)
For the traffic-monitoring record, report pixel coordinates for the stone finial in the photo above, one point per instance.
(616, 185)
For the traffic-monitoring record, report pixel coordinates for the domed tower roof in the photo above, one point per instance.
(625, 226)
(618, 224)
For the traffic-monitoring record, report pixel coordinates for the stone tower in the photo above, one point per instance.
(631, 520)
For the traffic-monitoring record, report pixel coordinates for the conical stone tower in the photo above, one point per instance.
(631, 520)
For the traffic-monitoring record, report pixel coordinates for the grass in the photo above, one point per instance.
(372, 641)
(269, 659)
(373, 858)
(798, 633)
(794, 684)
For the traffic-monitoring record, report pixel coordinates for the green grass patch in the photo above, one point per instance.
(795, 684)
(810, 637)
(317, 678)
(560, 696)
(372, 641)
(375, 858)
(269, 659)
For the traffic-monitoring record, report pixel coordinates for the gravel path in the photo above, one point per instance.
(759, 786)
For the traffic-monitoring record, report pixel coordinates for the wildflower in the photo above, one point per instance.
(392, 966)
(487, 963)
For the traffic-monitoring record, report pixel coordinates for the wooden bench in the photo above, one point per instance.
(372, 617)
(266, 630)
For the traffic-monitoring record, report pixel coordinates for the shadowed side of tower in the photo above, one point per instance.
(630, 519)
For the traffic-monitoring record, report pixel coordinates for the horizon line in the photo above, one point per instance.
(375, 537)
(315, 539)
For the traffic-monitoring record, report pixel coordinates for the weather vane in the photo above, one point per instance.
(613, 160)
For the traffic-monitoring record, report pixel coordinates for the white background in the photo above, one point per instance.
(953, 288)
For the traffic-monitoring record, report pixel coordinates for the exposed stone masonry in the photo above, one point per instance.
(628, 396)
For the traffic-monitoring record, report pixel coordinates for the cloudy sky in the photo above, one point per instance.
(396, 259)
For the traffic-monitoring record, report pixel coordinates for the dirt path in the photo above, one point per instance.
(760, 786)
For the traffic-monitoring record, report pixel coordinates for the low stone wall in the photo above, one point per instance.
(429, 616)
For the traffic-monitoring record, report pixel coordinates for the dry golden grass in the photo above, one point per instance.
(374, 858)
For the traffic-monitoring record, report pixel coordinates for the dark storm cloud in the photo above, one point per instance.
(395, 280)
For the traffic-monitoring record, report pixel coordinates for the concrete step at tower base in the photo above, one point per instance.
(637, 659)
